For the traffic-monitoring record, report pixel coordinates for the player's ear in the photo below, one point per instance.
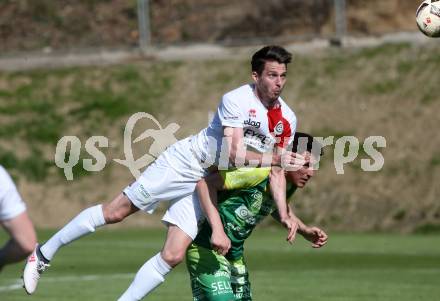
(255, 76)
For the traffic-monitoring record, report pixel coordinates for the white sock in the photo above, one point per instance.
(84, 223)
(149, 276)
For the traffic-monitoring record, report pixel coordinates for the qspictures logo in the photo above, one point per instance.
(69, 147)
(67, 154)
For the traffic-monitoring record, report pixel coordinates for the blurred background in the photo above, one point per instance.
(64, 25)
(174, 59)
(361, 68)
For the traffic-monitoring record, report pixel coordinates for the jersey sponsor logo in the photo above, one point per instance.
(221, 287)
(279, 128)
(260, 142)
(251, 133)
(243, 295)
(252, 113)
(239, 230)
(256, 144)
(257, 201)
(244, 233)
(240, 269)
(233, 227)
(255, 124)
(243, 213)
(221, 274)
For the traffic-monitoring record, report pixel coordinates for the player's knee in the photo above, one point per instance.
(114, 216)
(118, 209)
(173, 258)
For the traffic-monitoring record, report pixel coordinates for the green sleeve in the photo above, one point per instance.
(245, 177)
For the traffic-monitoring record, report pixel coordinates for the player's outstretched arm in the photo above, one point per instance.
(315, 235)
(207, 189)
(292, 224)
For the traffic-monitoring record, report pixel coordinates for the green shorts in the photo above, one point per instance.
(214, 278)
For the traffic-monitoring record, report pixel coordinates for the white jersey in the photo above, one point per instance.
(11, 203)
(262, 128)
(174, 175)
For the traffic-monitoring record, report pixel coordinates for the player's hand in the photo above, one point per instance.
(292, 161)
(316, 236)
(220, 242)
(292, 226)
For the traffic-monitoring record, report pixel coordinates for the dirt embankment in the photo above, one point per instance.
(46, 24)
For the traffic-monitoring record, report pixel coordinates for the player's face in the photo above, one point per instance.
(300, 177)
(270, 83)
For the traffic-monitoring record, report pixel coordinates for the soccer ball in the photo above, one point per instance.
(428, 18)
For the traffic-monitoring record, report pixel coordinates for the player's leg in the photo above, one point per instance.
(210, 275)
(22, 239)
(87, 222)
(157, 178)
(240, 280)
(173, 251)
(182, 218)
(84, 223)
(153, 272)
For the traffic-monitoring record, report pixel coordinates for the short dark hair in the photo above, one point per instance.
(304, 142)
(270, 53)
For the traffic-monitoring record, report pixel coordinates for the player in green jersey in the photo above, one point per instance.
(224, 277)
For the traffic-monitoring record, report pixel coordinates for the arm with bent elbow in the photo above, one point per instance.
(207, 189)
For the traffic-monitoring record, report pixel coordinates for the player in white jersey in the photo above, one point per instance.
(174, 175)
(264, 127)
(15, 221)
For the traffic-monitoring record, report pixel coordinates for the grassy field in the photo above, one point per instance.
(351, 267)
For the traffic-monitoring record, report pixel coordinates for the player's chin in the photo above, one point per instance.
(301, 184)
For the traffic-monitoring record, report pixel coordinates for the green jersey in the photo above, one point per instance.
(240, 211)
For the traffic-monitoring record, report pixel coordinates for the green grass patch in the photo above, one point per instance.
(43, 105)
(429, 95)
(435, 160)
(382, 86)
(399, 214)
(34, 166)
(428, 228)
(384, 51)
(360, 267)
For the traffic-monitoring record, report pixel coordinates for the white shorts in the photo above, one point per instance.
(186, 214)
(172, 177)
(11, 203)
